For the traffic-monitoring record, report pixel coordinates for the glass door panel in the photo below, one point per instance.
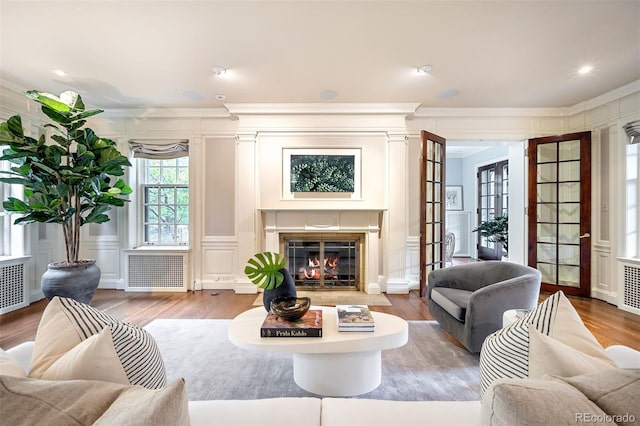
(493, 201)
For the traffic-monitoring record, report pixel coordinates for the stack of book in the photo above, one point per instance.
(354, 318)
(310, 325)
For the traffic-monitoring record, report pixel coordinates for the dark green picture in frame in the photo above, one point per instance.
(322, 173)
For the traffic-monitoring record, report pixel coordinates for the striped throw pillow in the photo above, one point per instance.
(67, 322)
(505, 353)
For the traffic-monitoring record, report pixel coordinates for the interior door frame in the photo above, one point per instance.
(585, 210)
(436, 262)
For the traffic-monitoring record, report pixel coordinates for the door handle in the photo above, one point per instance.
(586, 235)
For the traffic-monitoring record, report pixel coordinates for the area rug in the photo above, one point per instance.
(428, 367)
(332, 298)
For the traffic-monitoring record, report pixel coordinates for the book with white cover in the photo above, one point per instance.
(354, 318)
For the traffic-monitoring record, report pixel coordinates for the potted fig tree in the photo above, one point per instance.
(68, 180)
(496, 231)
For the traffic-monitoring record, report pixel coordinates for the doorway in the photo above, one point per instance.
(464, 158)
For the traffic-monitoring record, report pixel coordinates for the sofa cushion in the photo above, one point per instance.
(371, 412)
(85, 402)
(505, 353)
(9, 366)
(550, 356)
(509, 402)
(65, 323)
(92, 359)
(615, 391)
(452, 300)
(256, 412)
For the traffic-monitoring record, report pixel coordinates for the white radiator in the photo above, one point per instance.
(13, 291)
(629, 297)
(156, 271)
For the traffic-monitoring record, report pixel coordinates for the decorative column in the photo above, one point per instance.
(246, 207)
(397, 215)
(372, 251)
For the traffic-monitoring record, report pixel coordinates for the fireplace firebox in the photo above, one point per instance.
(324, 261)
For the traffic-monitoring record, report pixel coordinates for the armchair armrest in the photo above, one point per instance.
(22, 354)
(624, 356)
(494, 299)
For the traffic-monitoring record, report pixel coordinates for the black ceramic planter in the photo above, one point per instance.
(286, 289)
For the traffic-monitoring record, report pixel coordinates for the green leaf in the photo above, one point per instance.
(13, 204)
(14, 181)
(47, 99)
(123, 187)
(59, 117)
(264, 270)
(14, 125)
(88, 114)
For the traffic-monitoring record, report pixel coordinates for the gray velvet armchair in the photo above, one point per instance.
(468, 300)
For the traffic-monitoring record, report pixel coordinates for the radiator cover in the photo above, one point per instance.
(156, 271)
(630, 295)
(13, 294)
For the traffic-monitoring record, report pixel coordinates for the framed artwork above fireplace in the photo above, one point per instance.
(330, 173)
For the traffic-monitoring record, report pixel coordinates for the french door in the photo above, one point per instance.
(560, 211)
(493, 201)
(432, 206)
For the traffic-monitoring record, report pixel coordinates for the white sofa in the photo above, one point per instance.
(337, 411)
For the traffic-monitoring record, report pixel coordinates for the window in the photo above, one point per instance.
(165, 201)
(632, 197)
(5, 219)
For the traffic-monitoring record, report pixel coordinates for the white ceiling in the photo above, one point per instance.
(159, 54)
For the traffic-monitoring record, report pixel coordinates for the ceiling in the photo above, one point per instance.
(159, 54)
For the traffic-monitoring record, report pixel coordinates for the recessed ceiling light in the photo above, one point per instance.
(424, 69)
(60, 73)
(218, 70)
(585, 69)
(220, 97)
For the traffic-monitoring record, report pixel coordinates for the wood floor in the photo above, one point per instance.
(610, 325)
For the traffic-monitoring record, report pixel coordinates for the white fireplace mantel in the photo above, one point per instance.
(367, 222)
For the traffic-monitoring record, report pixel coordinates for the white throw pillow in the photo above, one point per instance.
(550, 356)
(505, 353)
(66, 323)
(92, 359)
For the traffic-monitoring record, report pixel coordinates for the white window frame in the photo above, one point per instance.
(141, 213)
(632, 201)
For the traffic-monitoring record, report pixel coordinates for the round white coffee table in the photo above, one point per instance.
(338, 363)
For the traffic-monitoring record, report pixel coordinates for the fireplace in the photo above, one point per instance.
(324, 261)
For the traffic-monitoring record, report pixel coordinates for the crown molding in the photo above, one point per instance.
(165, 113)
(321, 108)
(426, 112)
(605, 98)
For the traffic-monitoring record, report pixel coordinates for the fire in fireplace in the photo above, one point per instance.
(312, 270)
(324, 262)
